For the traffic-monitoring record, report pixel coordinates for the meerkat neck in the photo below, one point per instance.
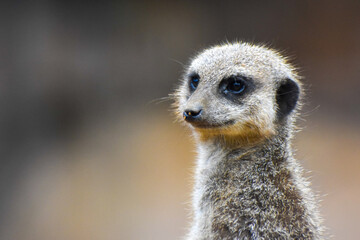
(275, 150)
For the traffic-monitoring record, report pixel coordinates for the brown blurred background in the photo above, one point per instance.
(88, 151)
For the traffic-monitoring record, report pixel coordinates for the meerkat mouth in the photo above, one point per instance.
(207, 125)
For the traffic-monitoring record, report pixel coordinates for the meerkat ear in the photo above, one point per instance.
(287, 96)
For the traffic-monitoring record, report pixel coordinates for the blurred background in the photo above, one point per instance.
(89, 150)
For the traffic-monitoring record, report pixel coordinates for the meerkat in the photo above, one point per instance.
(241, 101)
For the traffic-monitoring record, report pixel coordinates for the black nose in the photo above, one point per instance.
(190, 115)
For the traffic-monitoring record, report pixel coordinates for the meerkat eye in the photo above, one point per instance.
(235, 85)
(194, 81)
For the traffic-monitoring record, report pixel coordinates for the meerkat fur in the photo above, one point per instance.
(241, 101)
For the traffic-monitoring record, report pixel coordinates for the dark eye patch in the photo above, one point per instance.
(235, 87)
(194, 80)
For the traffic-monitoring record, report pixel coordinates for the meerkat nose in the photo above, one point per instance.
(190, 115)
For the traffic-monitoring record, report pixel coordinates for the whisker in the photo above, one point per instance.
(177, 61)
(159, 100)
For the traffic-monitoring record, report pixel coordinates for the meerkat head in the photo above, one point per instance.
(238, 92)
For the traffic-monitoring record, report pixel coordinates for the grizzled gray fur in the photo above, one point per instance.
(241, 101)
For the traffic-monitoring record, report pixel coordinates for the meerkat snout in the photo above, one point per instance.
(192, 114)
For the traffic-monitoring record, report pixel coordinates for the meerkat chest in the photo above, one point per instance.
(240, 199)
